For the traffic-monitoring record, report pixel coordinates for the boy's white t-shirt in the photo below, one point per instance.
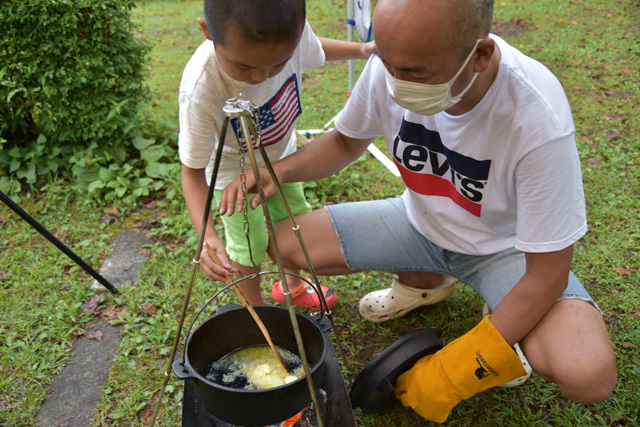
(505, 174)
(204, 90)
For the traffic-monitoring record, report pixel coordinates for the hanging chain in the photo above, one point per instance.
(254, 113)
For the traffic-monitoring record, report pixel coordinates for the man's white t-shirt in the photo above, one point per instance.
(505, 174)
(204, 90)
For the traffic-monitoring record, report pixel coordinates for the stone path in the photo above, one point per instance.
(77, 389)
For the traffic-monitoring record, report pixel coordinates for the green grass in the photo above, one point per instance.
(592, 47)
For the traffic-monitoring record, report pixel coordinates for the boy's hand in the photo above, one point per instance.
(210, 267)
(233, 197)
(368, 49)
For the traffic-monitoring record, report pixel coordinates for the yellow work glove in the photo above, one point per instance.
(475, 362)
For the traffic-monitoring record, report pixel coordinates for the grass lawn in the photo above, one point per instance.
(592, 48)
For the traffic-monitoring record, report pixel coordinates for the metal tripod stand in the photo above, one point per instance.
(247, 115)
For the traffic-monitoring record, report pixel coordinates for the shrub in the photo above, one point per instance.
(72, 82)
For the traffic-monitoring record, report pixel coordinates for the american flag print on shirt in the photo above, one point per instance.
(277, 115)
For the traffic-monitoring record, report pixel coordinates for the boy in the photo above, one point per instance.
(259, 51)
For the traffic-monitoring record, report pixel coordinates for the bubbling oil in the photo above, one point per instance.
(255, 368)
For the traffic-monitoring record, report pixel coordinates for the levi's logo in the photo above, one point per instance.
(429, 168)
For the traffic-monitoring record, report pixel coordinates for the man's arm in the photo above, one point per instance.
(544, 281)
(323, 157)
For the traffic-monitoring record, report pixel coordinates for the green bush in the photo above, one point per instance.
(72, 85)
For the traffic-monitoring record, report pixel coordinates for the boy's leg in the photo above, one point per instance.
(237, 247)
(250, 288)
(571, 347)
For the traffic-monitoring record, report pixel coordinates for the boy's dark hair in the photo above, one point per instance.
(258, 21)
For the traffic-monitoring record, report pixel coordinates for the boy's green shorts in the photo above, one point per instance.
(234, 227)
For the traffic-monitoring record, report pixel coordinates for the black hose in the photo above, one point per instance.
(35, 224)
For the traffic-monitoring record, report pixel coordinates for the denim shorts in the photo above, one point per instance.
(376, 235)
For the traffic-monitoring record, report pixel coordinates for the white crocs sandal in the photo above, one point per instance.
(525, 363)
(399, 300)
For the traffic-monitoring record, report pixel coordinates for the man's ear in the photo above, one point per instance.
(484, 50)
(203, 26)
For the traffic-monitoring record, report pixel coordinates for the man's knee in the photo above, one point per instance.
(571, 347)
(587, 380)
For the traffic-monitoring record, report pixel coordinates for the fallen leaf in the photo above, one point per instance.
(149, 308)
(114, 212)
(625, 271)
(107, 219)
(3, 275)
(146, 224)
(147, 414)
(62, 238)
(91, 305)
(628, 345)
(111, 312)
(614, 136)
(97, 335)
(151, 205)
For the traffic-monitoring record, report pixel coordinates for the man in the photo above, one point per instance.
(485, 142)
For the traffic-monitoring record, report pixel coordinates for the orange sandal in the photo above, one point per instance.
(305, 296)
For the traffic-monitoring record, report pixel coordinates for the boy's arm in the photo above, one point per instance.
(338, 50)
(195, 189)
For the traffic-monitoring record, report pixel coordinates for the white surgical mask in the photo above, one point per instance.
(424, 98)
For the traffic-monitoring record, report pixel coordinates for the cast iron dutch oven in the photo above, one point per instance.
(233, 329)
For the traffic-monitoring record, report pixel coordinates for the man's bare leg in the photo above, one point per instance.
(571, 347)
(320, 240)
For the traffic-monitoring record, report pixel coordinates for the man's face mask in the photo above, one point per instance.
(423, 98)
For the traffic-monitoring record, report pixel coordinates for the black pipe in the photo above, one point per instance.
(86, 267)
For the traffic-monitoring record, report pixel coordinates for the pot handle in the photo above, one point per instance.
(181, 370)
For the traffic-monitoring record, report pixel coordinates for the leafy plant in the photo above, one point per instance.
(72, 82)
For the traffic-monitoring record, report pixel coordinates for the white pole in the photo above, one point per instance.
(350, 20)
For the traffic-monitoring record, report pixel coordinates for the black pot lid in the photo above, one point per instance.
(372, 390)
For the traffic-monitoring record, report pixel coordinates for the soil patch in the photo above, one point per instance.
(512, 28)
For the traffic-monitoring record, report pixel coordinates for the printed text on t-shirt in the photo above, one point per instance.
(429, 168)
